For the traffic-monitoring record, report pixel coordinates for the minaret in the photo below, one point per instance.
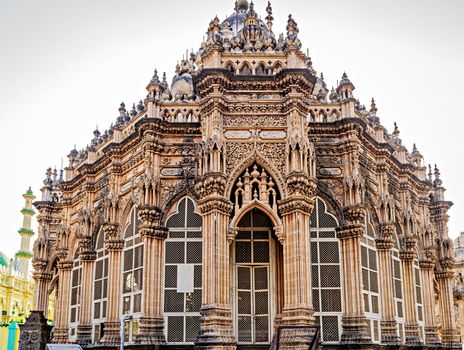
(24, 254)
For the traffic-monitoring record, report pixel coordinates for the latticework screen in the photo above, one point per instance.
(326, 272)
(183, 255)
(100, 288)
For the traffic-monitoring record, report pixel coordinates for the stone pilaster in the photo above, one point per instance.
(114, 245)
(60, 331)
(430, 327)
(42, 280)
(353, 321)
(407, 255)
(216, 331)
(298, 307)
(388, 325)
(84, 328)
(449, 333)
(151, 322)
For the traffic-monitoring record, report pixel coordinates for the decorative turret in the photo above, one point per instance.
(24, 254)
(345, 92)
(372, 116)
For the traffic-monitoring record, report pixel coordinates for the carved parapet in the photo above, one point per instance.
(215, 203)
(213, 184)
(296, 203)
(299, 184)
(350, 231)
(354, 214)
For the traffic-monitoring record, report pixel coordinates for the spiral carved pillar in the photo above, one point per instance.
(114, 245)
(152, 322)
(353, 321)
(388, 325)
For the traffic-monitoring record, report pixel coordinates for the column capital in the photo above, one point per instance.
(42, 276)
(350, 231)
(114, 245)
(111, 230)
(149, 214)
(354, 213)
(387, 230)
(65, 265)
(408, 250)
(296, 203)
(407, 255)
(156, 232)
(426, 264)
(300, 184)
(384, 244)
(211, 185)
(215, 203)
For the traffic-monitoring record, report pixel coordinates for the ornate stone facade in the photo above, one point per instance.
(244, 199)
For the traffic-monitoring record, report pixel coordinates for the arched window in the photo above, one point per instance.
(183, 275)
(100, 287)
(370, 280)
(246, 69)
(398, 288)
(75, 295)
(326, 272)
(261, 69)
(419, 302)
(132, 276)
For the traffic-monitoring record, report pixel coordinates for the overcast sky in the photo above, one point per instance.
(65, 66)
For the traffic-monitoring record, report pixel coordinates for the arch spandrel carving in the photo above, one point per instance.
(256, 158)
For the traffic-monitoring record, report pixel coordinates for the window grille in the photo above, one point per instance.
(100, 287)
(132, 275)
(419, 303)
(75, 295)
(370, 279)
(326, 272)
(183, 246)
(398, 288)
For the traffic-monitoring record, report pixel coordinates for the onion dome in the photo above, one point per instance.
(372, 116)
(133, 111)
(3, 260)
(333, 95)
(241, 6)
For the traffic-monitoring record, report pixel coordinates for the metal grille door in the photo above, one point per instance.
(252, 281)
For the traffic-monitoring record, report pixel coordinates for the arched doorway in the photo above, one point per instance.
(256, 272)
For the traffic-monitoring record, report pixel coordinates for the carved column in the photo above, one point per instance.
(427, 265)
(407, 255)
(60, 332)
(298, 307)
(353, 321)
(449, 333)
(216, 314)
(152, 322)
(87, 257)
(113, 309)
(388, 325)
(42, 280)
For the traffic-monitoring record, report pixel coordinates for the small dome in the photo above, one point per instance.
(3, 260)
(242, 5)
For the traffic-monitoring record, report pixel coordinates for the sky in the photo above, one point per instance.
(65, 66)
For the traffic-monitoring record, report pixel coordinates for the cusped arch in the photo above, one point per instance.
(175, 198)
(253, 158)
(278, 227)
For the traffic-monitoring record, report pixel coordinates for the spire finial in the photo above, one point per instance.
(373, 107)
(430, 173)
(396, 131)
(269, 17)
(437, 182)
